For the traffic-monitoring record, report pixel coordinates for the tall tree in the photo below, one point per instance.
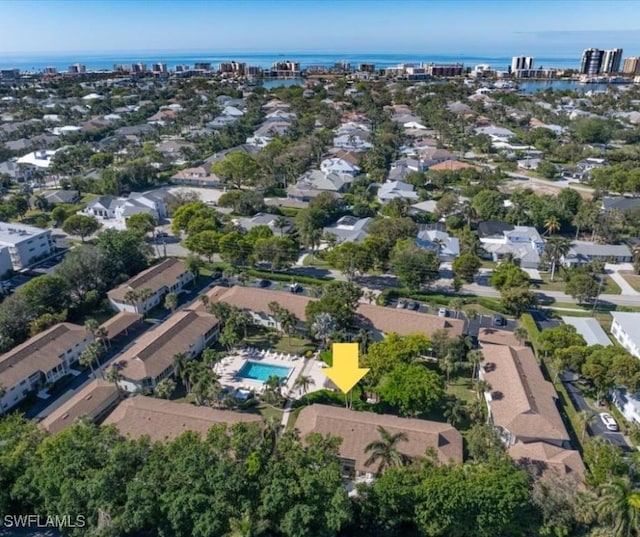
(386, 451)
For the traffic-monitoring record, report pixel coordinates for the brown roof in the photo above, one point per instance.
(257, 300)
(406, 322)
(352, 157)
(387, 320)
(450, 165)
(358, 429)
(120, 322)
(163, 274)
(497, 337)
(564, 461)
(93, 400)
(153, 352)
(522, 401)
(39, 353)
(163, 420)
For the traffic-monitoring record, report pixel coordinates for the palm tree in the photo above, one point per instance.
(180, 365)
(322, 327)
(555, 249)
(475, 358)
(456, 305)
(91, 325)
(618, 506)
(165, 388)
(205, 300)
(521, 334)
(455, 412)
(247, 526)
(303, 382)
(280, 223)
(449, 365)
(385, 451)
(133, 296)
(586, 418)
(171, 301)
(144, 295)
(482, 386)
(289, 323)
(476, 411)
(551, 225)
(89, 355)
(364, 337)
(369, 295)
(113, 375)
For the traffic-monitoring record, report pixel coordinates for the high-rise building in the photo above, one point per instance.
(521, 62)
(77, 68)
(159, 68)
(591, 61)
(631, 66)
(611, 61)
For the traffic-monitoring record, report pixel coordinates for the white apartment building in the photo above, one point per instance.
(625, 329)
(41, 360)
(26, 244)
(5, 261)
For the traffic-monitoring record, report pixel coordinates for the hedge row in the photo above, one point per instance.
(440, 299)
(526, 320)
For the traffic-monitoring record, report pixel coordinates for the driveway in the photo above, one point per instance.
(596, 427)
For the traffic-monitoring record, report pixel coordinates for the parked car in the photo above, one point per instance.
(413, 305)
(499, 320)
(264, 283)
(608, 421)
(295, 288)
(443, 312)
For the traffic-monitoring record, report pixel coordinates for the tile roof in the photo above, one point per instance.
(39, 353)
(165, 273)
(153, 352)
(451, 165)
(522, 401)
(563, 461)
(93, 400)
(358, 429)
(163, 420)
(497, 337)
(120, 322)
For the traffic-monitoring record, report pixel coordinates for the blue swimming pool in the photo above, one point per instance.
(259, 371)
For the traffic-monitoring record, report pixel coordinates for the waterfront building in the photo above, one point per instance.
(631, 66)
(367, 68)
(611, 61)
(591, 61)
(444, 69)
(521, 62)
(159, 68)
(77, 68)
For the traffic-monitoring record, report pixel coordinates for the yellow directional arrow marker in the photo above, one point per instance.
(345, 372)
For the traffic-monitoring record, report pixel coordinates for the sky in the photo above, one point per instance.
(555, 28)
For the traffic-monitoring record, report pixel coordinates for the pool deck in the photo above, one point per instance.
(229, 367)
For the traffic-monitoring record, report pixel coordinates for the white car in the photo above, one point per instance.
(608, 421)
(443, 312)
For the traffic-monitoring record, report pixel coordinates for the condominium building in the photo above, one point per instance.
(26, 244)
(596, 61)
(159, 68)
(77, 68)
(631, 66)
(611, 61)
(521, 62)
(591, 61)
(42, 359)
(444, 69)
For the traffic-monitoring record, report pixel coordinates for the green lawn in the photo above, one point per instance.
(100, 315)
(609, 287)
(462, 389)
(311, 260)
(633, 280)
(262, 338)
(267, 411)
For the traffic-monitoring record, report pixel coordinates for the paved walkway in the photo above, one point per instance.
(625, 287)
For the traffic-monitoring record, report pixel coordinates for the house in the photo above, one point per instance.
(627, 403)
(590, 329)
(349, 229)
(163, 420)
(11, 168)
(440, 242)
(522, 406)
(529, 163)
(168, 276)
(431, 156)
(39, 361)
(119, 209)
(582, 252)
(611, 204)
(266, 219)
(173, 148)
(339, 166)
(352, 141)
(380, 320)
(62, 196)
(625, 329)
(396, 189)
(523, 242)
(94, 401)
(40, 159)
(359, 429)
(26, 244)
(497, 134)
(331, 182)
(411, 164)
(197, 176)
(151, 358)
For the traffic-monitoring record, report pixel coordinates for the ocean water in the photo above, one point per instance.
(37, 62)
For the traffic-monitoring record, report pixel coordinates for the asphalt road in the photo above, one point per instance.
(596, 427)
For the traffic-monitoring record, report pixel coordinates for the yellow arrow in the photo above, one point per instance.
(345, 372)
